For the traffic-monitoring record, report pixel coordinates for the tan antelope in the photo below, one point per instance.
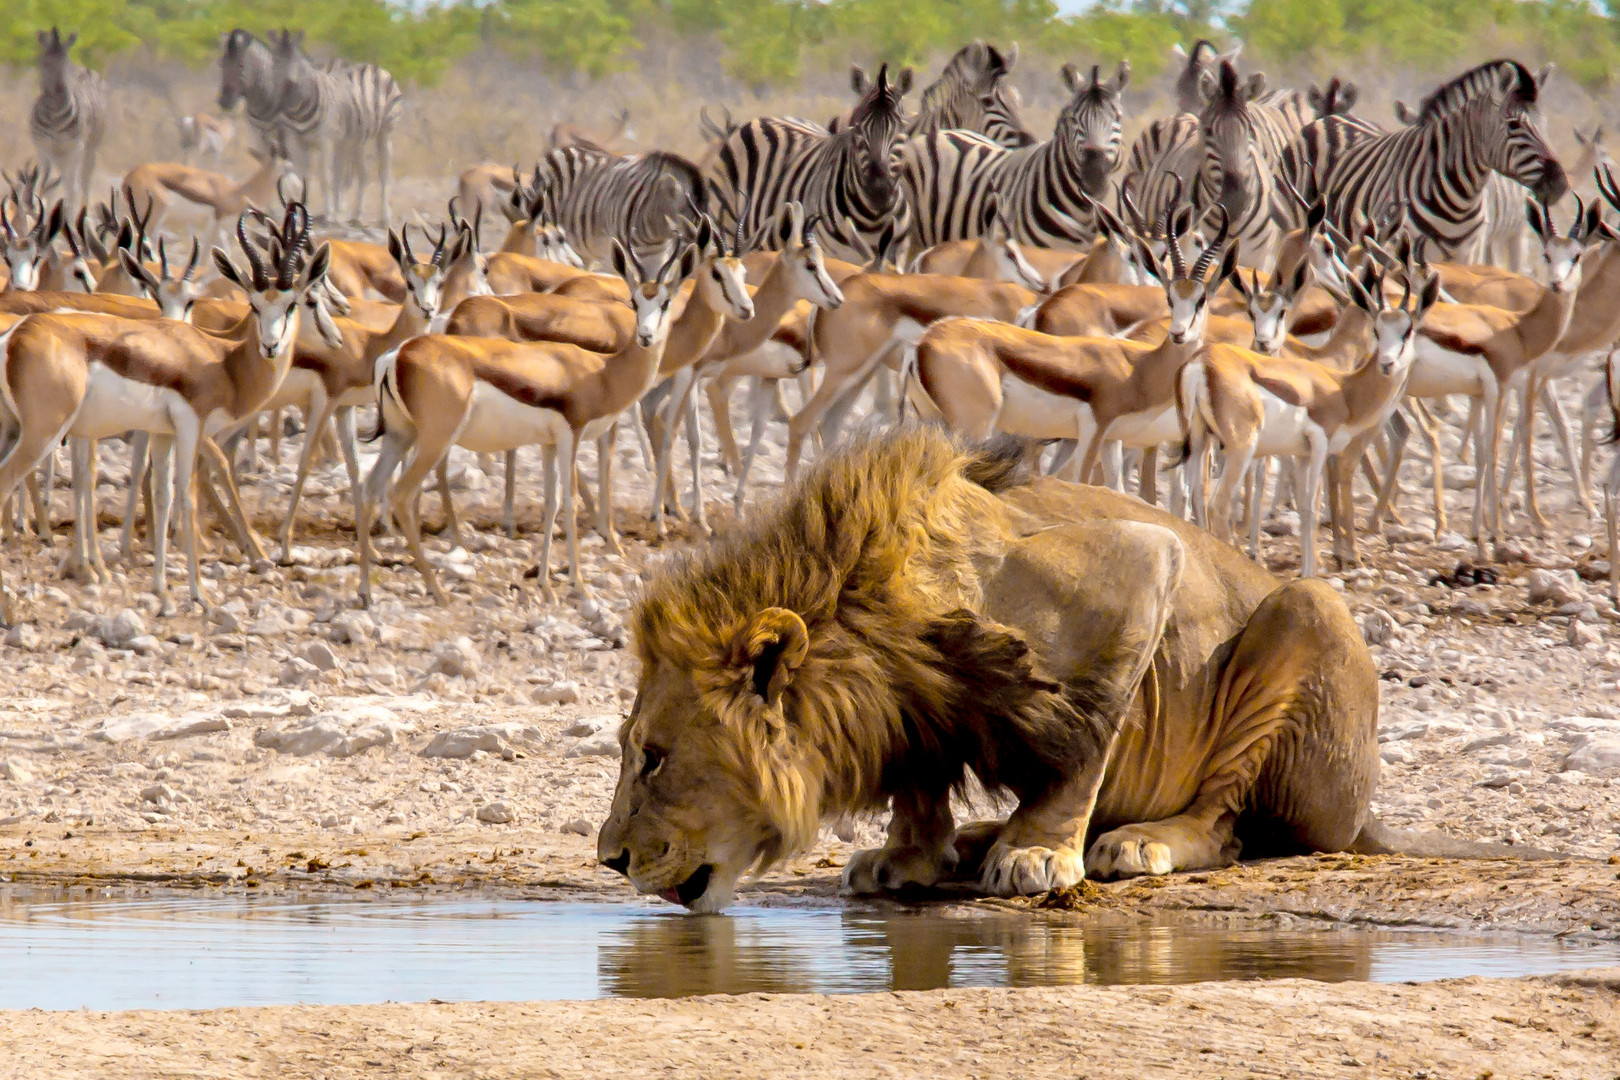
(569, 134)
(491, 395)
(1322, 410)
(1482, 352)
(158, 184)
(94, 376)
(1611, 489)
(205, 137)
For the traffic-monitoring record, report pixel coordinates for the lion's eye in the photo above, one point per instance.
(652, 759)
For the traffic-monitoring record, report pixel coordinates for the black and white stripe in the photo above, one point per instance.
(1244, 134)
(247, 76)
(848, 182)
(69, 115)
(1437, 170)
(596, 196)
(1044, 193)
(972, 94)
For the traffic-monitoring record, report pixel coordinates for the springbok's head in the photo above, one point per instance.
(279, 280)
(173, 288)
(1564, 254)
(651, 296)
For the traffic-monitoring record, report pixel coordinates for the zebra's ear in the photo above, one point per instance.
(1207, 83)
(71, 39)
(1122, 77)
(1178, 52)
(1255, 86)
(1542, 76)
(902, 85)
(1009, 58)
(1349, 94)
(1071, 78)
(857, 80)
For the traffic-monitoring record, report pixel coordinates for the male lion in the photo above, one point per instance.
(913, 611)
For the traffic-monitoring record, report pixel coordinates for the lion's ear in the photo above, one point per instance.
(771, 644)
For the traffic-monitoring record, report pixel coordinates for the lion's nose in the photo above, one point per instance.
(619, 864)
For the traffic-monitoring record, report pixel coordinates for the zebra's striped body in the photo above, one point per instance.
(329, 114)
(69, 116)
(1044, 193)
(848, 182)
(596, 196)
(972, 94)
(247, 75)
(1437, 170)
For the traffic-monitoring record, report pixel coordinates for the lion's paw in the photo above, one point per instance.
(1027, 871)
(886, 869)
(1128, 852)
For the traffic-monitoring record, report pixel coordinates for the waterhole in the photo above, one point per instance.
(211, 952)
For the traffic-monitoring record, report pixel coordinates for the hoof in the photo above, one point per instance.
(1010, 871)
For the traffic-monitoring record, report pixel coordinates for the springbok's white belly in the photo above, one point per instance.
(114, 404)
(1036, 414)
(1285, 429)
(1437, 371)
(496, 423)
(772, 360)
(1147, 428)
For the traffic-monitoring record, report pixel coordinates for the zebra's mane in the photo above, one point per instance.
(1474, 82)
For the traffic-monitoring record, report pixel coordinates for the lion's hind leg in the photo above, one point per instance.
(1062, 589)
(1295, 760)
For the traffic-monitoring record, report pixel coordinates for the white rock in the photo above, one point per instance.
(456, 657)
(117, 631)
(1599, 756)
(158, 794)
(560, 693)
(1379, 627)
(1581, 634)
(592, 725)
(24, 637)
(336, 734)
(496, 813)
(605, 744)
(490, 738)
(15, 771)
(1556, 587)
(158, 726)
(145, 644)
(1396, 754)
(578, 826)
(321, 655)
(353, 628)
(297, 672)
(225, 622)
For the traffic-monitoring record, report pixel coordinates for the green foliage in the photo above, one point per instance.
(769, 43)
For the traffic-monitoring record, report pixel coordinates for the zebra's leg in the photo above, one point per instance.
(385, 171)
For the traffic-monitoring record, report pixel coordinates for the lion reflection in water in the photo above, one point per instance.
(915, 612)
(681, 957)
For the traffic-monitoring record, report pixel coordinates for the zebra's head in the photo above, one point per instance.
(234, 78)
(54, 65)
(1337, 99)
(1233, 166)
(1203, 58)
(291, 66)
(1089, 126)
(874, 126)
(1563, 254)
(1520, 151)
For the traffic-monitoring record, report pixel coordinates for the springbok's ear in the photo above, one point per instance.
(227, 269)
(132, 267)
(1428, 298)
(769, 647)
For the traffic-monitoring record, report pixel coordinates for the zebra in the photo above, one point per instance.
(1243, 139)
(972, 94)
(848, 182)
(329, 114)
(1171, 148)
(1437, 169)
(247, 76)
(595, 195)
(1046, 193)
(69, 116)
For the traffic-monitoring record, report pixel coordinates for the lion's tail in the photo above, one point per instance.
(1376, 838)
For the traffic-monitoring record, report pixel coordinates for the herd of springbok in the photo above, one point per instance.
(1177, 334)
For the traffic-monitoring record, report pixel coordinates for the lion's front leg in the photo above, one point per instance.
(918, 852)
(1094, 600)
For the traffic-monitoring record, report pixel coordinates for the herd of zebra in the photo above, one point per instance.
(1263, 277)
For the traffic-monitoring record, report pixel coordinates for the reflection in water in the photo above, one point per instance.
(677, 956)
(208, 952)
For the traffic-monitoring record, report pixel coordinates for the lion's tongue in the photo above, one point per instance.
(671, 895)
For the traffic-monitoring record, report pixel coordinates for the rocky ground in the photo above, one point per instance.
(282, 739)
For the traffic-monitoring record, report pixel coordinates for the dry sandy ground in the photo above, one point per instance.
(1557, 1027)
(283, 741)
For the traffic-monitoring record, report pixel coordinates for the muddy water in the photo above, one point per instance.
(207, 952)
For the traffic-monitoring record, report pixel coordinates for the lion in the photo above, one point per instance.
(917, 610)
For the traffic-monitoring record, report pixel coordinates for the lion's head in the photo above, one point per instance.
(783, 667)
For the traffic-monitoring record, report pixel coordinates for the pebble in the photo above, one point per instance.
(336, 734)
(604, 744)
(496, 813)
(296, 672)
(15, 771)
(1595, 757)
(24, 637)
(117, 631)
(495, 739)
(559, 693)
(1379, 627)
(320, 654)
(578, 826)
(1556, 587)
(457, 657)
